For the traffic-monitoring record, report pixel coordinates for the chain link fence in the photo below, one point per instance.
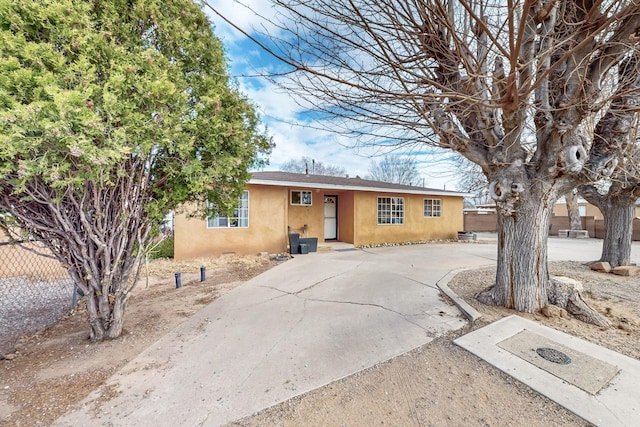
(35, 291)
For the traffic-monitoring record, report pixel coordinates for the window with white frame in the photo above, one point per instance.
(302, 198)
(390, 210)
(432, 208)
(240, 218)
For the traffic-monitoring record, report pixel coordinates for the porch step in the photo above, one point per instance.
(334, 246)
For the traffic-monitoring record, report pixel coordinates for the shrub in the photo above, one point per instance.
(163, 249)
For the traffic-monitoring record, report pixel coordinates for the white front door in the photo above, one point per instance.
(330, 217)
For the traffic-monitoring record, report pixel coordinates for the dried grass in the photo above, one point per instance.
(167, 267)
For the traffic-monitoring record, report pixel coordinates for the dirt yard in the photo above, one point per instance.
(438, 384)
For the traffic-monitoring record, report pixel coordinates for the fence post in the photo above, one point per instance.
(77, 293)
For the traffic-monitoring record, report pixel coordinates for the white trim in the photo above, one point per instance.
(391, 211)
(229, 218)
(294, 190)
(439, 208)
(312, 185)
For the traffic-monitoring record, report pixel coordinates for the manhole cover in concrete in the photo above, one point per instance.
(553, 355)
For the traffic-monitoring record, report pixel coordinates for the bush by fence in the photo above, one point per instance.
(35, 291)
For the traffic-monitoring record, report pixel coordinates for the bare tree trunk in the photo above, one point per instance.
(618, 224)
(575, 223)
(617, 207)
(96, 329)
(105, 319)
(117, 315)
(522, 277)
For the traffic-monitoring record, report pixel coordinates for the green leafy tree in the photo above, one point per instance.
(112, 113)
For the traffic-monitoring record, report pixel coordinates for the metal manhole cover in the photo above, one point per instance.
(553, 355)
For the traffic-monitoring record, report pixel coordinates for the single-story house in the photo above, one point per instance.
(584, 208)
(329, 208)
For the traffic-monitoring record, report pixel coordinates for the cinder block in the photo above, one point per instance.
(626, 270)
(578, 234)
(604, 267)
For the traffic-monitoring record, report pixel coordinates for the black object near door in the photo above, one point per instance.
(296, 244)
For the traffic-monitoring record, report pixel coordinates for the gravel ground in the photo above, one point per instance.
(27, 306)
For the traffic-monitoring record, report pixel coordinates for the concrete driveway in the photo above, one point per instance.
(310, 321)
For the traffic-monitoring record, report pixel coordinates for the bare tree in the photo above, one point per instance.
(395, 169)
(617, 134)
(471, 179)
(617, 207)
(309, 165)
(512, 86)
(616, 200)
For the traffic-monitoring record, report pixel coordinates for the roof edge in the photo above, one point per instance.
(321, 186)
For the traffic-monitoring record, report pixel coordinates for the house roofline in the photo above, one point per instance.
(320, 186)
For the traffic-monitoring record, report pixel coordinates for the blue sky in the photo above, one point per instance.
(285, 119)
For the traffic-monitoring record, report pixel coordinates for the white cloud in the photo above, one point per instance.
(246, 14)
(280, 112)
(295, 140)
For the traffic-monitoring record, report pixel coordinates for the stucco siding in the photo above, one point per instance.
(271, 216)
(308, 221)
(346, 218)
(415, 228)
(266, 232)
(560, 209)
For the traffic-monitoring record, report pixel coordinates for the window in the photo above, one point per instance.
(390, 210)
(240, 218)
(301, 198)
(432, 208)
(582, 210)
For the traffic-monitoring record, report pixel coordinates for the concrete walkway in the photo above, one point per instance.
(591, 381)
(310, 321)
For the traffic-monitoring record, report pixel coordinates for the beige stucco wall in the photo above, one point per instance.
(560, 209)
(346, 217)
(23, 260)
(266, 232)
(271, 215)
(311, 216)
(415, 228)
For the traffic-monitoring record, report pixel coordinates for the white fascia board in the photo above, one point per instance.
(318, 186)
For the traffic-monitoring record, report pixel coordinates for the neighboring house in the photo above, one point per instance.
(584, 208)
(351, 210)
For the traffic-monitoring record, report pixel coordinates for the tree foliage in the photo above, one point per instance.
(112, 113)
(514, 87)
(395, 169)
(309, 165)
